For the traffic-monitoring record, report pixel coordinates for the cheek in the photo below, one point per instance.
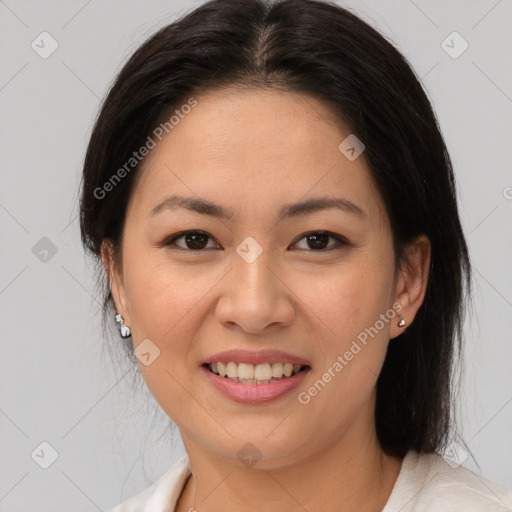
(164, 300)
(348, 299)
(166, 307)
(348, 306)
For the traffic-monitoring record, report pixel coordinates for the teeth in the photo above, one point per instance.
(277, 370)
(222, 369)
(263, 371)
(232, 370)
(246, 373)
(287, 369)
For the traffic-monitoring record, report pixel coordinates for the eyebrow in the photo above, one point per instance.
(206, 207)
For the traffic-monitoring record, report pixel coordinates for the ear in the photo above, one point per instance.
(411, 284)
(116, 280)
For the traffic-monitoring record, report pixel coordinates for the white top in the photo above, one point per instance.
(426, 483)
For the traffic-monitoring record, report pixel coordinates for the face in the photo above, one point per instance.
(270, 282)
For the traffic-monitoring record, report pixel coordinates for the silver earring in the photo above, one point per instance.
(124, 330)
(401, 323)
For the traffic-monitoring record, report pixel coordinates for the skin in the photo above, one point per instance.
(254, 151)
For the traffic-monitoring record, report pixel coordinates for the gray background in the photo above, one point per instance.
(56, 383)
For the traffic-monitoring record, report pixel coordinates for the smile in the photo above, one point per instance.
(261, 386)
(247, 373)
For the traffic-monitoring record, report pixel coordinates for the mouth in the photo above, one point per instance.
(255, 374)
(251, 377)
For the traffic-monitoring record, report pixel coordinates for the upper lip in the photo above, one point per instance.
(255, 357)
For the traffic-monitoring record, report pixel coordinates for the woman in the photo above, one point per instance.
(274, 206)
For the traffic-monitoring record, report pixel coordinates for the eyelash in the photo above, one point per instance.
(169, 242)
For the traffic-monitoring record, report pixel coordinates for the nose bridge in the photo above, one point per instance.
(251, 269)
(254, 298)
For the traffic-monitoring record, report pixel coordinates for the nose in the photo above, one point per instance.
(255, 296)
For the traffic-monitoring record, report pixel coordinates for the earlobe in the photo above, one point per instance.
(412, 282)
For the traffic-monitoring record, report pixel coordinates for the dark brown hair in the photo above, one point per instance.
(319, 49)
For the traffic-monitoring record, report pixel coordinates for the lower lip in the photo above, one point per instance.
(254, 393)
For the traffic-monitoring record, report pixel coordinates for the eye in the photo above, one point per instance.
(193, 240)
(197, 241)
(319, 240)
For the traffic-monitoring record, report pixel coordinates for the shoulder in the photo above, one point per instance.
(163, 494)
(428, 482)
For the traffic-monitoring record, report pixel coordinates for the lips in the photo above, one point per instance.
(259, 385)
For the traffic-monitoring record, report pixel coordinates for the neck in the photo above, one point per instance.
(353, 473)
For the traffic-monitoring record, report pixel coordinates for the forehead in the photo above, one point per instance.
(252, 148)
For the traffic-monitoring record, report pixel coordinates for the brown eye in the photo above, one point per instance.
(192, 240)
(197, 241)
(319, 241)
